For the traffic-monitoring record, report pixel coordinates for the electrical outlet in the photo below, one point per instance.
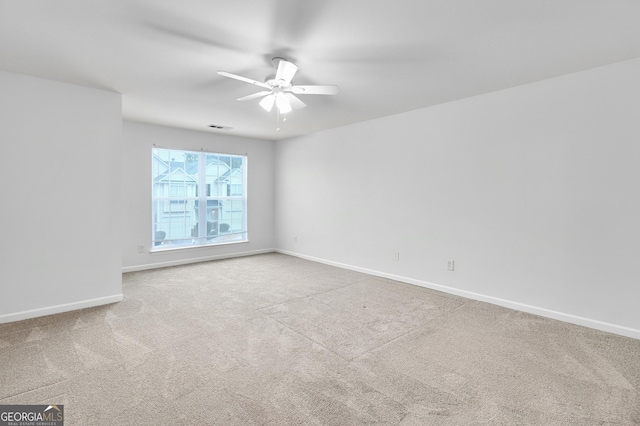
(140, 249)
(295, 239)
(450, 265)
(396, 255)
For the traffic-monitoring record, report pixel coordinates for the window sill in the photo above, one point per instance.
(189, 248)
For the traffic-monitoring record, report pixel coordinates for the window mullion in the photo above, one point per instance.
(202, 197)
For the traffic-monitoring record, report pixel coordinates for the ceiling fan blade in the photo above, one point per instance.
(295, 102)
(315, 90)
(254, 96)
(267, 103)
(245, 79)
(286, 71)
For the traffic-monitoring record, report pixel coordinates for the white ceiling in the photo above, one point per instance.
(387, 56)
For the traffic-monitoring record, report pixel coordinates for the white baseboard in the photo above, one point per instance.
(543, 312)
(57, 309)
(157, 265)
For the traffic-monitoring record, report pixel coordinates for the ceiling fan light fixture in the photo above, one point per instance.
(282, 102)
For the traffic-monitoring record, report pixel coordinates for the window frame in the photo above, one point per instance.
(217, 211)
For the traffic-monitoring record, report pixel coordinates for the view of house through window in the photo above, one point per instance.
(199, 198)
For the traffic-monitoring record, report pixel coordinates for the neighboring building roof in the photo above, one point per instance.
(226, 175)
(167, 176)
(191, 168)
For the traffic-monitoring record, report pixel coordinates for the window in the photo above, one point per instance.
(199, 198)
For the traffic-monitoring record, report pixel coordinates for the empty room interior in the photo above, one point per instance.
(326, 212)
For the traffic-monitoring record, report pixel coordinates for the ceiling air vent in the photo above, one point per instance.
(215, 126)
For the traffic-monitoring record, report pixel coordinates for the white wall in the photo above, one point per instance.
(60, 192)
(136, 187)
(533, 191)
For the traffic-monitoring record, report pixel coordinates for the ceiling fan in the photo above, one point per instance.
(280, 91)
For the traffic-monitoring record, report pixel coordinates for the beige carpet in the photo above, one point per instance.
(277, 340)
